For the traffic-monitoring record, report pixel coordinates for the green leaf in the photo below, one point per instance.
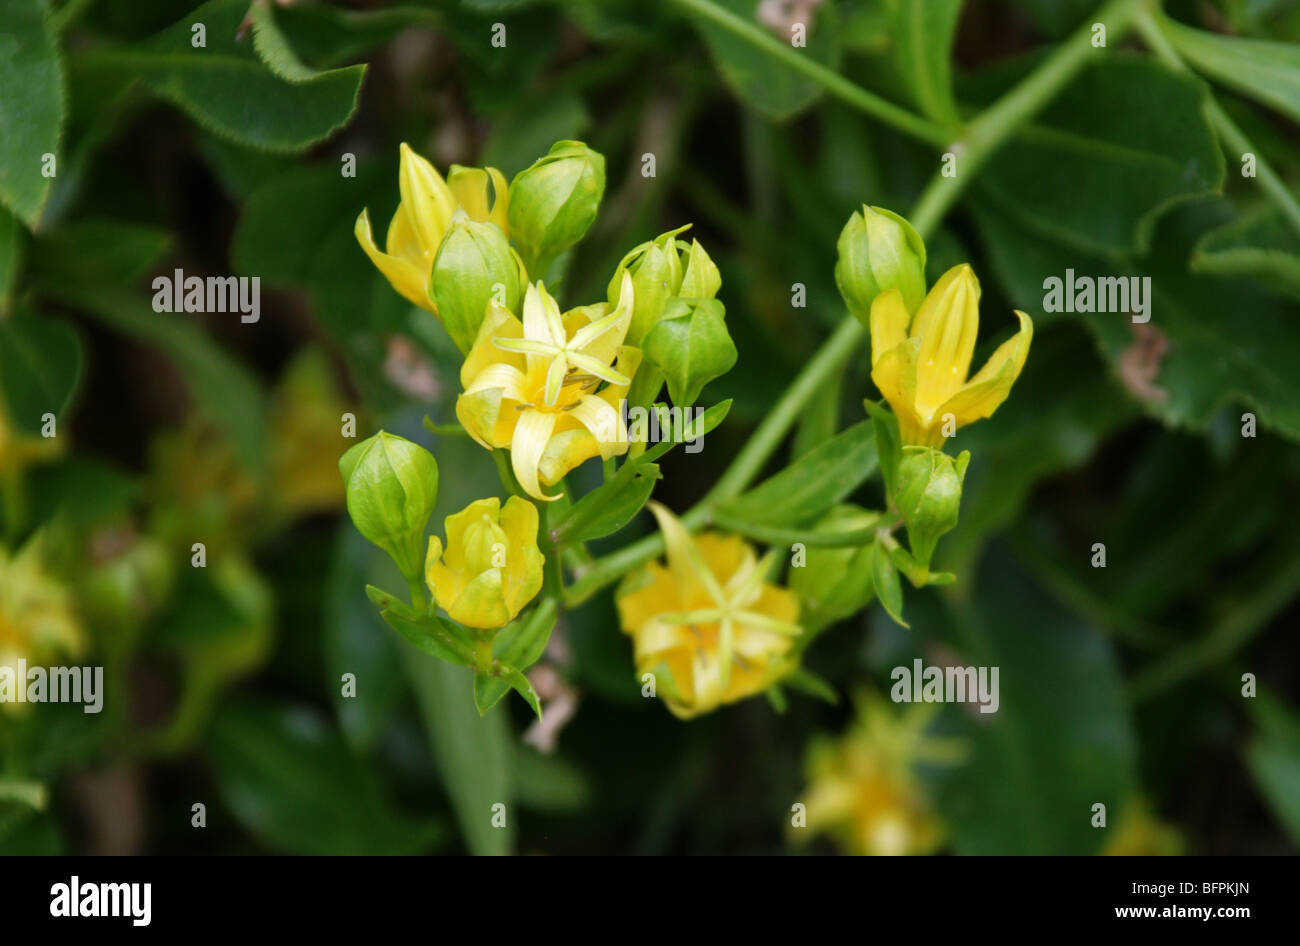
(292, 781)
(889, 443)
(225, 86)
(357, 642)
(426, 632)
(810, 683)
(1273, 757)
(813, 483)
(611, 506)
(40, 365)
(473, 752)
(224, 387)
(1061, 739)
(1131, 135)
(1262, 245)
(1222, 341)
(519, 644)
(1267, 72)
(521, 685)
(698, 427)
(770, 87)
(98, 252)
(31, 107)
(888, 588)
(922, 33)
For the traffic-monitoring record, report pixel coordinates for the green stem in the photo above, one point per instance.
(985, 135)
(418, 600)
(775, 536)
(834, 83)
(1229, 132)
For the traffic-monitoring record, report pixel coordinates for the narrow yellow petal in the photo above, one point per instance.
(532, 432)
(605, 425)
(500, 202)
(986, 391)
(470, 188)
(426, 200)
(889, 318)
(407, 278)
(946, 324)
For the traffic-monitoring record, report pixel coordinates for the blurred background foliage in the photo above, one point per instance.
(1120, 685)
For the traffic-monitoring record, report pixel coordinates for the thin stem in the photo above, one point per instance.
(834, 83)
(776, 536)
(1230, 133)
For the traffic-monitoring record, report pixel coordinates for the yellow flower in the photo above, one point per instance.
(532, 386)
(423, 216)
(707, 626)
(37, 620)
(491, 566)
(922, 373)
(863, 790)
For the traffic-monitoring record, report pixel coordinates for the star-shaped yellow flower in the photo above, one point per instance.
(922, 372)
(533, 385)
(708, 626)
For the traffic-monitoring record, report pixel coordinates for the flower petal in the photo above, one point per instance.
(405, 276)
(497, 324)
(532, 432)
(889, 318)
(426, 199)
(947, 324)
(985, 392)
(483, 602)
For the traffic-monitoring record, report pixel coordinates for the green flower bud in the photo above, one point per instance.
(475, 265)
(662, 268)
(929, 496)
(879, 250)
(691, 346)
(391, 486)
(553, 202)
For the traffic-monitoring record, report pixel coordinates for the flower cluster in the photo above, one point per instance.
(546, 388)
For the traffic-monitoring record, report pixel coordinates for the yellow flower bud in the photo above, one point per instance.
(423, 216)
(707, 626)
(922, 370)
(491, 566)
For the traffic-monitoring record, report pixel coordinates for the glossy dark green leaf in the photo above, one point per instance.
(291, 780)
(1061, 739)
(223, 85)
(813, 483)
(1267, 72)
(1262, 245)
(31, 107)
(1127, 140)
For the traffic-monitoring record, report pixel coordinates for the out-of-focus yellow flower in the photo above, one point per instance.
(532, 385)
(708, 626)
(423, 216)
(306, 418)
(37, 620)
(863, 790)
(491, 566)
(922, 372)
(1141, 834)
